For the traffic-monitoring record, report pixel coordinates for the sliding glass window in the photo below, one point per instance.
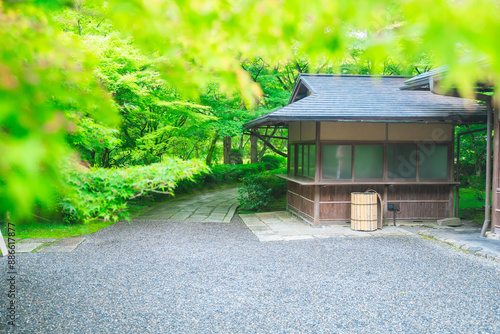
(337, 162)
(368, 161)
(433, 161)
(312, 161)
(291, 159)
(402, 161)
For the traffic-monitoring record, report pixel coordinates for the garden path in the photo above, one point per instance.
(208, 207)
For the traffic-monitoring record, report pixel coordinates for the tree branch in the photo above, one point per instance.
(267, 143)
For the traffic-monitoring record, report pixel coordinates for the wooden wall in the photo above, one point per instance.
(335, 202)
(300, 199)
(417, 202)
(421, 202)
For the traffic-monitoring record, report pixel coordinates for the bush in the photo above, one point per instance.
(274, 161)
(101, 193)
(259, 190)
(220, 175)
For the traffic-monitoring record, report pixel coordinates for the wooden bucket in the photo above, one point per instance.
(364, 211)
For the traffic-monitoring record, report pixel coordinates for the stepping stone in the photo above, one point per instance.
(56, 249)
(288, 233)
(258, 228)
(449, 222)
(266, 238)
(37, 240)
(298, 237)
(72, 242)
(27, 247)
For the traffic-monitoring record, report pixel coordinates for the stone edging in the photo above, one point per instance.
(477, 251)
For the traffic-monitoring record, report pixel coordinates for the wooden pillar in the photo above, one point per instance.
(457, 187)
(317, 176)
(487, 195)
(253, 149)
(451, 163)
(384, 209)
(495, 223)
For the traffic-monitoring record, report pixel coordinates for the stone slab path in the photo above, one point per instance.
(282, 226)
(47, 245)
(208, 207)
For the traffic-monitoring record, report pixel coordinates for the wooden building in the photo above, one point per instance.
(353, 133)
(483, 90)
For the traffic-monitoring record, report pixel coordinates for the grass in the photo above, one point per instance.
(471, 204)
(55, 229)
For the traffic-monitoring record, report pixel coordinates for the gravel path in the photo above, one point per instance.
(154, 277)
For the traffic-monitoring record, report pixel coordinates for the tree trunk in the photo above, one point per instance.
(478, 157)
(253, 149)
(211, 149)
(227, 150)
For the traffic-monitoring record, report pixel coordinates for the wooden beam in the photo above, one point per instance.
(268, 144)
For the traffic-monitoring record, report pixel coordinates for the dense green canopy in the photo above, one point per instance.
(136, 75)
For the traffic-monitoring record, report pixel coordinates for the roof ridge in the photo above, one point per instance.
(353, 75)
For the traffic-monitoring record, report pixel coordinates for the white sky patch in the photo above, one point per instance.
(357, 34)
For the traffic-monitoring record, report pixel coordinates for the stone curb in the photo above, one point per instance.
(477, 251)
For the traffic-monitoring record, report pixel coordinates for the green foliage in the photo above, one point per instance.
(471, 204)
(220, 175)
(274, 161)
(260, 189)
(101, 193)
(43, 74)
(47, 75)
(472, 158)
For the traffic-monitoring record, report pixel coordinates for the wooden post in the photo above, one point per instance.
(253, 149)
(457, 193)
(487, 204)
(451, 209)
(317, 176)
(495, 224)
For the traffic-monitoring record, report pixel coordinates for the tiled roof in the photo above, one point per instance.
(370, 99)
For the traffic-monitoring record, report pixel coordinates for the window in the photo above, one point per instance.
(368, 161)
(299, 159)
(312, 161)
(401, 161)
(291, 159)
(433, 161)
(306, 160)
(337, 162)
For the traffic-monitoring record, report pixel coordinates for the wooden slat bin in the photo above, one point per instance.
(364, 211)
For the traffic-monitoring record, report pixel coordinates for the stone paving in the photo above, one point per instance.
(282, 226)
(47, 245)
(467, 239)
(209, 207)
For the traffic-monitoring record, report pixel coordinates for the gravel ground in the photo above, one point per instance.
(152, 277)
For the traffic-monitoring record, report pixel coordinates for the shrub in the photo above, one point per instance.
(259, 190)
(220, 175)
(274, 161)
(101, 193)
